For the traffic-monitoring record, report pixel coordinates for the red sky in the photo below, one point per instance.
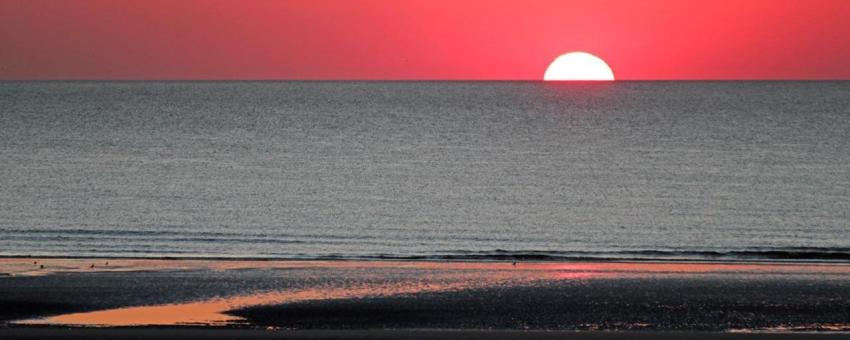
(421, 39)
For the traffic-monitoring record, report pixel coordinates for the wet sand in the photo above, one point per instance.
(470, 296)
(213, 334)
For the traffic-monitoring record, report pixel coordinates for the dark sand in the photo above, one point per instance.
(656, 303)
(652, 298)
(213, 334)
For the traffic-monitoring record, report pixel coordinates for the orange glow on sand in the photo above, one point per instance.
(441, 276)
(212, 312)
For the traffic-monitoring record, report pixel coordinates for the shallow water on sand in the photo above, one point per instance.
(717, 170)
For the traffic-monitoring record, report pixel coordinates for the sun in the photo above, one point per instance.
(578, 66)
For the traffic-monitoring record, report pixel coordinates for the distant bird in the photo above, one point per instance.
(34, 262)
(107, 263)
(41, 267)
(514, 263)
(92, 265)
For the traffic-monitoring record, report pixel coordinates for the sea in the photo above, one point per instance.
(719, 171)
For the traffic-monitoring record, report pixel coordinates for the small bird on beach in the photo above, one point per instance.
(514, 263)
(41, 267)
(107, 263)
(92, 265)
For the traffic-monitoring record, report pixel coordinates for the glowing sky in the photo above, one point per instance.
(421, 39)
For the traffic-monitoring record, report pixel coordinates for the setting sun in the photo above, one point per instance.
(425, 169)
(578, 66)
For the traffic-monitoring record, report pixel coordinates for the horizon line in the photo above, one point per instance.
(422, 80)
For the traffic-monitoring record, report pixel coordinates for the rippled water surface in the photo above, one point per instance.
(721, 170)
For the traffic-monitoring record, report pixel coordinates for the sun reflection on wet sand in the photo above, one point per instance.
(374, 278)
(212, 312)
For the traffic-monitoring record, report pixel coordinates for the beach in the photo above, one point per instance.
(315, 299)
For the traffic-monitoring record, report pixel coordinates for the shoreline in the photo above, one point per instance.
(447, 259)
(17, 265)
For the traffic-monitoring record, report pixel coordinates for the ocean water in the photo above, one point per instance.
(443, 170)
